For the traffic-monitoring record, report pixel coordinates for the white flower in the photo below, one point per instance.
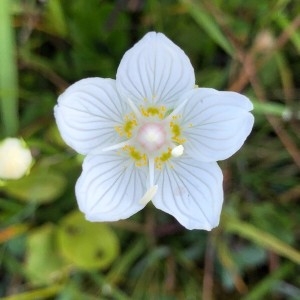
(15, 158)
(152, 135)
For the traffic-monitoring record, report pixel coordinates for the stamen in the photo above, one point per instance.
(114, 147)
(176, 110)
(151, 171)
(177, 151)
(135, 109)
(148, 196)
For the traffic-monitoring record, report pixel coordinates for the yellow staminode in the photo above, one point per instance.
(139, 157)
(130, 122)
(164, 157)
(154, 111)
(176, 131)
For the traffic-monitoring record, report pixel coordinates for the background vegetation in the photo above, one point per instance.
(47, 250)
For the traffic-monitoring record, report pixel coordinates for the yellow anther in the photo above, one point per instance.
(177, 151)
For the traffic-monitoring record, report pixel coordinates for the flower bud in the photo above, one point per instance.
(15, 158)
(264, 41)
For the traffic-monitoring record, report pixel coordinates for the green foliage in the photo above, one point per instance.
(8, 73)
(41, 185)
(43, 263)
(48, 250)
(85, 244)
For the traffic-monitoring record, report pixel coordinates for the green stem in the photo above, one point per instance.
(260, 237)
(8, 72)
(42, 293)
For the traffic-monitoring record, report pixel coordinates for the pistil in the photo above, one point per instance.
(151, 136)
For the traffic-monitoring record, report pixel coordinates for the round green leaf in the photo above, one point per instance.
(87, 245)
(43, 265)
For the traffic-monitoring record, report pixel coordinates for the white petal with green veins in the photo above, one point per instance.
(110, 187)
(191, 191)
(88, 112)
(155, 70)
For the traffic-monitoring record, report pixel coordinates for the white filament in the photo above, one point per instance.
(148, 196)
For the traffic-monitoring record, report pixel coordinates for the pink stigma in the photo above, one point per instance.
(151, 136)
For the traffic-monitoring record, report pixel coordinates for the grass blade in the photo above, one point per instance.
(8, 72)
(261, 238)
(208, 24)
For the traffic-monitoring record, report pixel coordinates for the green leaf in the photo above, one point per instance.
(87, 245)
(43, 264)
(55, 20)
(40, 186)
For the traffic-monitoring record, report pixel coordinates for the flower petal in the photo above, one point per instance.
(155, 70)
(191, 191)
(87, 113)
(215, 124)
(110, 187)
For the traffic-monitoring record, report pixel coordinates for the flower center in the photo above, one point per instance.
(154, 136)
(151, 136)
